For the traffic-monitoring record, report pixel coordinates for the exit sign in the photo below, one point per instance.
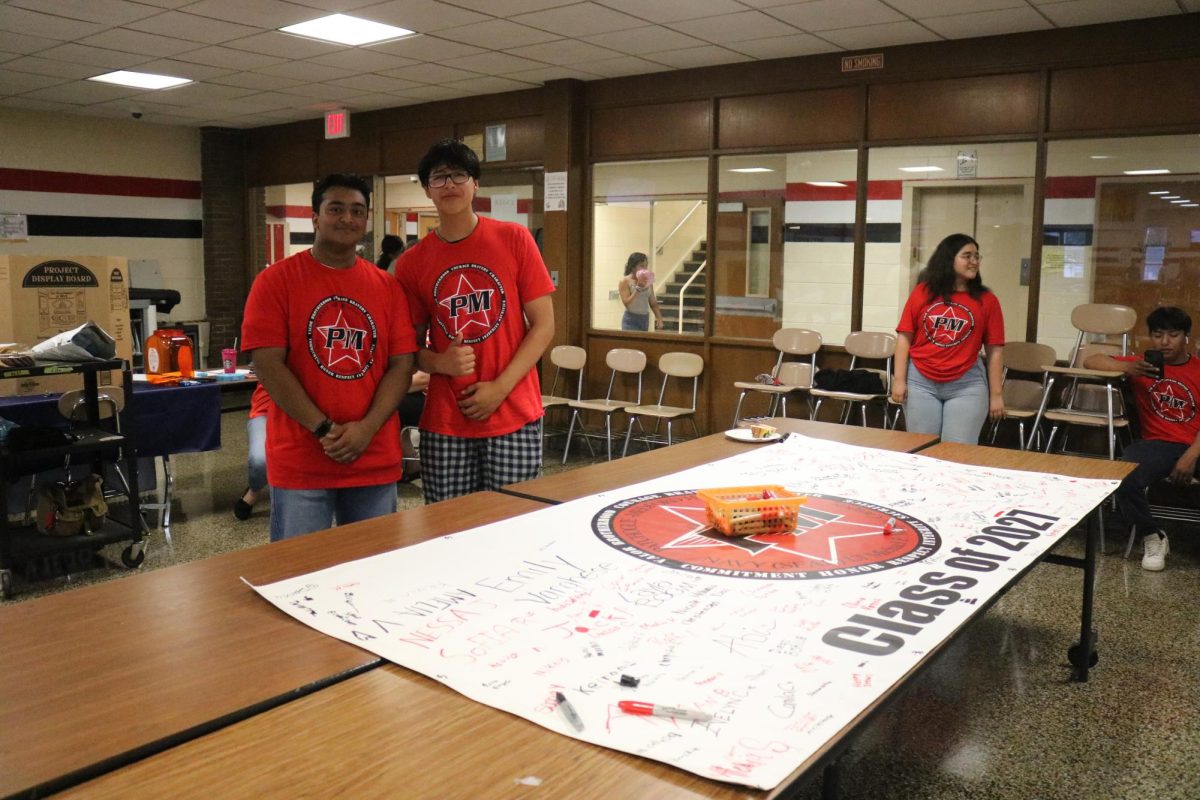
(337, 124)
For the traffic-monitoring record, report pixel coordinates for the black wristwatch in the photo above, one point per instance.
(322, 430)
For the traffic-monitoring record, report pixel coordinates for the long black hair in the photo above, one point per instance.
(939, 275)
(634, 260)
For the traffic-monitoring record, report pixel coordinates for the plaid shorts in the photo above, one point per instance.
(454, 465)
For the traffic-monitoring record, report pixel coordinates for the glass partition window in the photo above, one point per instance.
(288, 220)
(916, 196)
(1121, 225)
(784, 252)
(659, 209)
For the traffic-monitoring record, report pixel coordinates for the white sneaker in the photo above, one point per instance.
(1154, 552)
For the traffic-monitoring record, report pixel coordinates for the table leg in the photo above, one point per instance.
(1083, 655)
(829, 780)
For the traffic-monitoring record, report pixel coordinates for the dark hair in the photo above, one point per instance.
(391, 245)
(1168, 318)
(343, 179)
(634, 260)
(939, 275)
(449, 153)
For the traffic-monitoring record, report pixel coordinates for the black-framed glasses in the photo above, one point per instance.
(457, 177)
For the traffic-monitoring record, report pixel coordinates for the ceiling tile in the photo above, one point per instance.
(14, 42)
(734, 27)
(626, 65)
(494, 63)
(430, 73)
(306, 71)
(1090, 12)
(193, 28)
(507, 8)
(95, 56)
(138, 42)
(987, 23)
(183, 69)
(705, 56)
(427, 48)
(428, 94)
(83, 92)
(919, 9)
(19, 82)
(376, 84)
(886, 35)
(497, 33)
(270, 100)
(580, 19)
(166, 3)
(489, 84)
(563, 52)
(675, 10)
(56, 69)
(799, 44)
(649, 39)
(371, 102)
(254, 80)
(45, 25)
(270, 14)
(362, 60)
(422, 16)
(228, 57)
(283, 45)
(38, 105)
(106, 12)
(311, 90)
(8, 56)
(824, 15)
(553, 74)
(197, 94)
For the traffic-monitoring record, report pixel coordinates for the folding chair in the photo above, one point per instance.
(569, 358)
(797, 377)
(672, 365)
(621, 361)
(870, 346)
(1021, 395)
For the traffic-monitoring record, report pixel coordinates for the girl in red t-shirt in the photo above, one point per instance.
(949, 316)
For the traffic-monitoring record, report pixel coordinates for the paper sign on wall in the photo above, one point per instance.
(556, 191)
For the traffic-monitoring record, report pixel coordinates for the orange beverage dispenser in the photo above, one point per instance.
(168, 356)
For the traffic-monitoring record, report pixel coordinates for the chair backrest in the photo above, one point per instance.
(1103, 319)
(796, 341)
(567, 356)
(624, 359)
(1028, 357)
(1022, 395)
(73, 404)
(871, 344)
(680, 365)
(796, 373)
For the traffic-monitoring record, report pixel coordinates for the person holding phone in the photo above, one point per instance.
(1166, 388)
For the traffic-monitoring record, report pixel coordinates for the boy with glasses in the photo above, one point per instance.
(1166, 399)
(479, 287)
(332, 342)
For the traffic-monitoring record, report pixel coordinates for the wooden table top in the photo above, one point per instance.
(1028, 461)
(665, 460)
(101, 675)
(393, 733)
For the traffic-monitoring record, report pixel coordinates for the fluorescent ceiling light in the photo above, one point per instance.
(1147, 172)
(830, 184)
(1169, 197)
(345, 29)
(921, 169)
(1098, 158)
(1189, 205)
(1179, 202)
(1164, 191)
(140, 80)
(752, 169)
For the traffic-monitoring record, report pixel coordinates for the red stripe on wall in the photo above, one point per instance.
(289, 212)
(876, 190)
(1082, 187)
(36, 180)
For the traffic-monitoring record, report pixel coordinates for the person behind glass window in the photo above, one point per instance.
(637, 293)
(939, 378)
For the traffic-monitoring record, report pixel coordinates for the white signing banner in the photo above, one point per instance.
(747, 653)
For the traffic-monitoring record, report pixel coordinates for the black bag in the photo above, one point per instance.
(35, 437)
(857, 381)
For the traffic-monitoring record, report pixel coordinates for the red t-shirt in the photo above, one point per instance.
(260, 402)
(1167, 405)
(340, 327)
(946, 337)
(478, 286)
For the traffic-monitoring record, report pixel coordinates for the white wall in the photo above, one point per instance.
(59, 146)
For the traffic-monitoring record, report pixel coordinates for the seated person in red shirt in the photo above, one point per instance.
(1166, 407)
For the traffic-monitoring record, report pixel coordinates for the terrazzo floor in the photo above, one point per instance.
(994, 717)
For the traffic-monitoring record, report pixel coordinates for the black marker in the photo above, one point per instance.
(568, 710)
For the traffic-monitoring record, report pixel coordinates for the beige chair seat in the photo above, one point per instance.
(565, 358)
(682, 367)
(624, 363)
(870, 345)
(600, 405)
(793, 376)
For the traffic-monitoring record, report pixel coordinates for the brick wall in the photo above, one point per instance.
(226, 234)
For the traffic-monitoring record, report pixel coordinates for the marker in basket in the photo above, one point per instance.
(890, 525)
(568, 710)
(641, 709)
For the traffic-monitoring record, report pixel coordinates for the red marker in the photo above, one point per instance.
(890, 525)
(651, 710)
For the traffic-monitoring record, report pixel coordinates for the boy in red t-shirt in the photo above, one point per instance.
(479, 287)
(1167, 409)
(332, 343)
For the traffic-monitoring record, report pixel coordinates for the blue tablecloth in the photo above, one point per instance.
(166, 419)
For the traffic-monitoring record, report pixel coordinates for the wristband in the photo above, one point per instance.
(322, 430)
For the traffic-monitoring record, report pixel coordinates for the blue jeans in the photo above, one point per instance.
(295, 512)
(635, 322)
(256, 459)
(1155, 460)
(954, 410)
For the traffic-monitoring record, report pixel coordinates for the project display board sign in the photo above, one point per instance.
(748, 653)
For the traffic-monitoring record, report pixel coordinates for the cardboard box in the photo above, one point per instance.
(41, 296)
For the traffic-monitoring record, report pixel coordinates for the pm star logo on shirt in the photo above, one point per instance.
(469, 307)
(948, 324)
(343, 342)
(1172, 401)
(342, 337)
(471, 301)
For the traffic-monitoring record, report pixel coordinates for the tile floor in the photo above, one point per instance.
(993, 717)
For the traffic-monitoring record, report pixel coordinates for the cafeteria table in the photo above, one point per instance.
(104, 675)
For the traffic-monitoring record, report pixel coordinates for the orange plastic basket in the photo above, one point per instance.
(746, 510)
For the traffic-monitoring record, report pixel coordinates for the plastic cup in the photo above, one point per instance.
(229, 359)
